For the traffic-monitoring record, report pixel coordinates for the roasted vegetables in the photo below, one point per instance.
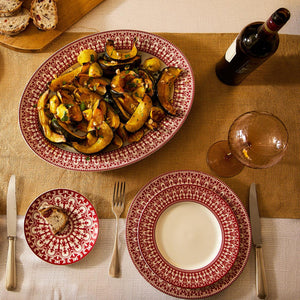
(110, 66)
(45, 121)
(122, 55)
(109, 101)
(164, 88)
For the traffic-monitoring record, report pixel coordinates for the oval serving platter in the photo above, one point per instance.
(147, 44)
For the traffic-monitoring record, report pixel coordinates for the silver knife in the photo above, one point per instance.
(11, 213)
(261, 282)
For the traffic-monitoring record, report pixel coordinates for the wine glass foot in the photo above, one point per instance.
(221, 161)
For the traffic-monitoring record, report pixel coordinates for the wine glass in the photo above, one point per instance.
(255, 139)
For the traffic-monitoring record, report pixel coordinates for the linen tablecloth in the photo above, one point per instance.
(88, 278)
(274, 88)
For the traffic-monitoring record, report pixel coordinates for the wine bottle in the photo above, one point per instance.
(253, 46)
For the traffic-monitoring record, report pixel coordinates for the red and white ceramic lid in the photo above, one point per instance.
(201, 180)
(75, 241)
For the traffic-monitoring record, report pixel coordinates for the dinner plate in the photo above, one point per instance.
(201, 180)
(148, 45)
(188, 235)
(75, 241)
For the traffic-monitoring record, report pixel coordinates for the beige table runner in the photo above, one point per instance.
(275, 87)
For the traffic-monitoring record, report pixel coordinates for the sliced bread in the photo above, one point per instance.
(9, 7)
(55, 217)
(44, 14)
(13, 25)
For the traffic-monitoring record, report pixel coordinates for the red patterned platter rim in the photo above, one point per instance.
(203, 180)
(146, 43)
(78, 237)
(225, 247)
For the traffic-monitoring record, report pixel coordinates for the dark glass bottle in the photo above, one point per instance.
(253, 46)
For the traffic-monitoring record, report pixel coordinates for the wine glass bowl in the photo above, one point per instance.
(255, 139)
(258, 139)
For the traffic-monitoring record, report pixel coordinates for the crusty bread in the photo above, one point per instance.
(9, 7)
(13, 25)
(44, 14)
(55, 217)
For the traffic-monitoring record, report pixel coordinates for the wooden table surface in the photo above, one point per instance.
(274, 87)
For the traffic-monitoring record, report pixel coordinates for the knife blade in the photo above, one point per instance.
(11, 213)
(261, 282)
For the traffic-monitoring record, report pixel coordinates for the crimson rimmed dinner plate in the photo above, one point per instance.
(188, 235)
(75, 241)
(201, 180)
(148, 45)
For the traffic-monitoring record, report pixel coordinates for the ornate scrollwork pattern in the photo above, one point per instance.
(78, 237)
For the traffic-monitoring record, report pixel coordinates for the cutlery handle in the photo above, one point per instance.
(261, 281)
(114, 268)
(11, 264)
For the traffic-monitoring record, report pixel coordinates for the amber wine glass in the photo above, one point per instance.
(255, 139)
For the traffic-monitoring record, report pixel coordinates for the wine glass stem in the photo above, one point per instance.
(228, 156)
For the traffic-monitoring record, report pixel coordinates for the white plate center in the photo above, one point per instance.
(188, 235)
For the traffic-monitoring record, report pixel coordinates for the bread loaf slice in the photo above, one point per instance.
(9, 7)
(13, 25)
(55, 217)
(44, 14)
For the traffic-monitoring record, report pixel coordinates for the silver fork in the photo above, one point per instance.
(117, 208)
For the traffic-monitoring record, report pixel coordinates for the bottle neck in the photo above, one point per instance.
(277, 20)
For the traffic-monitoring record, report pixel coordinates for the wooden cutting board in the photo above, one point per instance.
(32, 39)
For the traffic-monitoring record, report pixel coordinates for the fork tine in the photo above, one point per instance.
(116, 187)
(119, 193)
(123, 192)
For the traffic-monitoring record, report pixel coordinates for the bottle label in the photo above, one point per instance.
(231, 51)
(249, 66)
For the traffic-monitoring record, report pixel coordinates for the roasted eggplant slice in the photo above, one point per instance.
(45, 121)
(122, 55)
(165, 86)
(110, 67)
(140, 115)
(65, 130)
(105, 136)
